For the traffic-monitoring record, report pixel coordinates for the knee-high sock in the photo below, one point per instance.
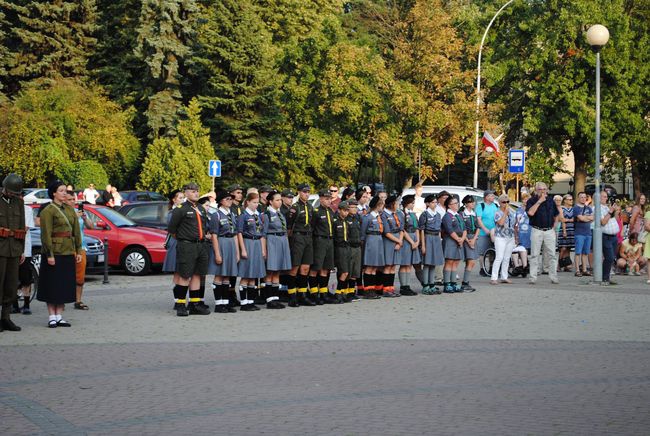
(425, 275)
(379, 282)
(322, 284)
(446, 276)
(195, 296)
(180, 293)
(466, 275)
(291, 284)
(432, 275)
(352, 283)
(340, 287)
(243, 295)
(403, 279)
(313, 284)
(301, 283)
(389, 280)
(369, 281)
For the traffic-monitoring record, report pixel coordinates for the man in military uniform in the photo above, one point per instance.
(342, 251)
(189, 224)
(12, 244)
(237, 192)
(323, 263)
(300, 220)
(264, 193)
(354, 239)
(287, 202)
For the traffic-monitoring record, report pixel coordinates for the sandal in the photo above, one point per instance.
(52, 324)
(587, 274)
(578, 274)
(80, 306)
(63, 323)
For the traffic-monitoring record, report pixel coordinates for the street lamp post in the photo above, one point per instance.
(478, 92)
(597, 37)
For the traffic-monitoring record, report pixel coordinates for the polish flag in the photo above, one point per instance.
(491, 144)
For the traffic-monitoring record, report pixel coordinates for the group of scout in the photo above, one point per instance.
(271, 242)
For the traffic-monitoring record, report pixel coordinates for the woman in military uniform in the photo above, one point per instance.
(393, 240)
(409, 254)
(453, 228)
(323, 261)
(60, 250)
(429, 224)
(372, 229)
(278, 257)
(252, 247)
(354, 227)
(224, 256)
(470, 254)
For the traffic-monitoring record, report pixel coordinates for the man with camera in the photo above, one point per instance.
(610, 229)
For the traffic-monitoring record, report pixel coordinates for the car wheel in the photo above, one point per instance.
(136, 261)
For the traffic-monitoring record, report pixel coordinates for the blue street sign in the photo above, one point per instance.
(214, 168)
(516, 161)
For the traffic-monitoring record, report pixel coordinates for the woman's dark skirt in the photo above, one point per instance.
(57, 284)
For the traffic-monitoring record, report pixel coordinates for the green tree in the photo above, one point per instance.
(293, 19)
(48, 128)
(164, 34)
(47, 39)
(173, 161)
(82, 173)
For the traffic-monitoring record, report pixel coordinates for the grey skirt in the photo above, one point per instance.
(390, 254)
(253, 266)
(469, 253)
(408, 256)
(451, 249)
(228, 267)
(434, 255)
(373, 251)
(278, 256)
(169, 264)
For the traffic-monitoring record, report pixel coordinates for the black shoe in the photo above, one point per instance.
(181, 309)
(482, 273)
(62, 323)
(254, 307)
(27, 311)
(293, 301)
(15, 308)
(316, 299)
(329, 298)
(407, 292)
(466, 287)
(304, 300)
(275, 304)
(246, 308)
(202, 304)
(234, 303)
(196, 309)
(370, 295)
(222, 308)
(9, 325)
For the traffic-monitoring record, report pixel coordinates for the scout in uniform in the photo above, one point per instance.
(323, 250)
(302, 245)
(287, 202)
(429, 224)
(224, 256)
(189, 225)
(12, 245)
(342, 251)
(453, 230)
(285, 278)
(264, 193)
(409, 254)
(252, 247)
(278, 257)
(372, 229)
(470, 254)
(354, 239)
(393, 241)
(237, 192)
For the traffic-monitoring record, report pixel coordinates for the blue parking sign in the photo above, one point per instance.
(516, 161)
(214, 168)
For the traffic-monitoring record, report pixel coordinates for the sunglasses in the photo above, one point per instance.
(505, 202)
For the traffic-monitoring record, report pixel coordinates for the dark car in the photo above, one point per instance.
(611, 191)
(151, 214)
(140, 196)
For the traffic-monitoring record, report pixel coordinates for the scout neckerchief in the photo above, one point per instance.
(228, 215)
(381, 225)
(198, 218)
(329, 220)
(396, 219)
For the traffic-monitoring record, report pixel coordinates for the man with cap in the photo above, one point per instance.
(237, 192)
(287, 202)
(189, 225)
(301, 216)
(341, 251)
(12, 244)
(264, 193)
(323, 226)
(485, 217)
(354, 241)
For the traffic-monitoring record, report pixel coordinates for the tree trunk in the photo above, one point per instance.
(636, 178)
(579, 173)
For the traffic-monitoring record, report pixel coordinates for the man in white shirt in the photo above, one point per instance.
(610, 230)
(90, 194)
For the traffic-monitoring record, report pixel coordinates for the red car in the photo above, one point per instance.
(131, 247)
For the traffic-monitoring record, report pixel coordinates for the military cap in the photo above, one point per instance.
(222, 195)
(408, 199)
(429, 198)
(204, 199)
(288, 193)
(344, 204)
(235, 187)
(191, 187)
(13, 184)
(324, 193)
(353, 202)
(265, 188)
(303, 187)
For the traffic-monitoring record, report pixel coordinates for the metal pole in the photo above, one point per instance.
(598, 235)
(105, 282)
(478, 92)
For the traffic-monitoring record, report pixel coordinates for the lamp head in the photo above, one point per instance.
(597, 36)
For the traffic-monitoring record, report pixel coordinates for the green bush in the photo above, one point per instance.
(82, 173)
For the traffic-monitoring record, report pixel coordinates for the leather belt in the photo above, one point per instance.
(277, 234)
(373, 233)
(300, 232)
(543, 229)
(254, 238)
(9, 233)
(192, 241)
(61, 234)
(323, 237)
(229, 235)
(355, 244)
(431, 232)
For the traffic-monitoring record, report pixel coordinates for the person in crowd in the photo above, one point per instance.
(637, 218)
(631, 258)
(287, 202)
(224, 257)
(469, 245)
(212, 202)
(301, 217)
(363, 198)
(419, 205)
(566, 239)
(521, 250)
(107, 195)
(610, 228)
(505, 239)
(264, 193)
(354, 226)
(372, 229)
(646, 248)
(80, 273)
(454, 236)
(440, 210)
(409, 254)
(323, 263)
(431, 247)
(543, 213)
(342, 251)
(583, 216)
(485, 217)
(12, 245)
(237, 192)
(393, 241)
(334, 192)
(189, 225)
(61, 249)
(278, 257)
(90, 194)
(348, 194)
(25, 276)
(176, 199)
(252, 248)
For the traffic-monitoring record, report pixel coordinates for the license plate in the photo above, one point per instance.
(100, 258)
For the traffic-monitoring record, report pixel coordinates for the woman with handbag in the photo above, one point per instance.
(60, 251)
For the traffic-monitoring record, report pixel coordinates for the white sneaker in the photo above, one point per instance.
(555, 281)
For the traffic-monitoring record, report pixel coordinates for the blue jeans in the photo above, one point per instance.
(609, 254)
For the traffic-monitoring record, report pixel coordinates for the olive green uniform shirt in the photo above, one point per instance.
(57, 219)
(12, 217)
